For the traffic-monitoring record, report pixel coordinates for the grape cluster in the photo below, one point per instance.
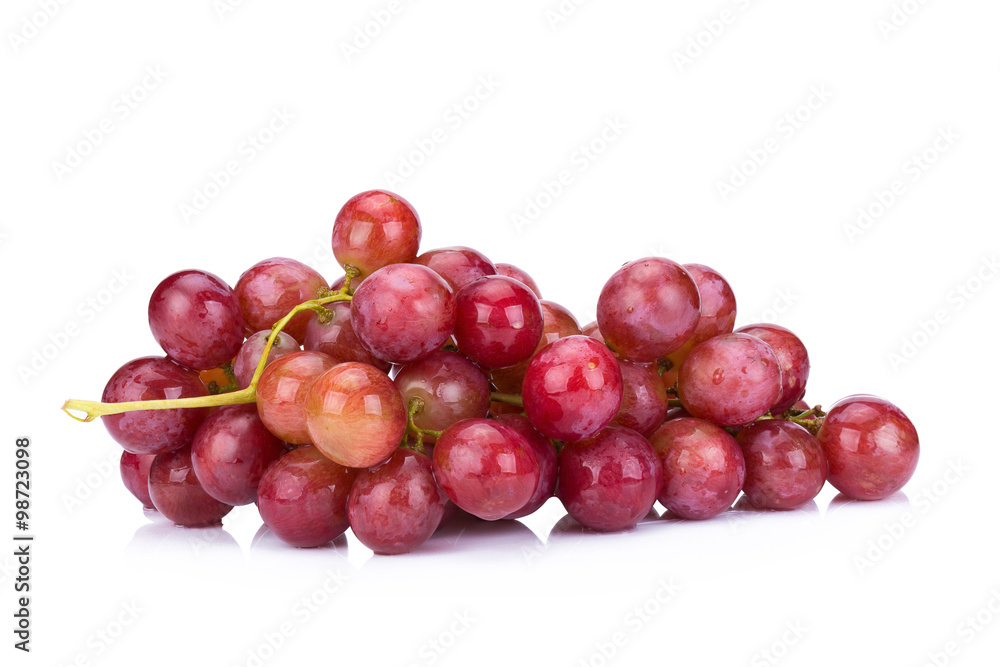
(418, 385)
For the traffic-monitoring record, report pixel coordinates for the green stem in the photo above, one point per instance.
(416, 405)
(94, 409)
(510, 399)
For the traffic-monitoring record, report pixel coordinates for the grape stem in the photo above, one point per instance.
(95, 409)
(509, 399)
(415, 405)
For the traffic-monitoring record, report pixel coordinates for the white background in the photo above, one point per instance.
(857, 586)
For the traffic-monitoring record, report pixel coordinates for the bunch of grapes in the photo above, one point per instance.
(418, 385)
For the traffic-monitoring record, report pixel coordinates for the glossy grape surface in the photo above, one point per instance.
(557, 322)
(134, 469)
(548, 462)
(572, 389)
(196, 319)
(520, 275)
(703, 468)
(153, 431)
(302, 497)
(648, 308)
(730, 379)
(282, 391)
(397, 506)
(610, 481)
(871, 445)
(793, 360)
(178, 495)
(355, 415)
(403, 312)
(451, 387)
(786, 467)
(269, 289)
(486, 468)
(374, 229)
(644, 398)
(230, 452)
(245, 364)
(718, 309)
(458, 265)
(337, 338)
(498, 321)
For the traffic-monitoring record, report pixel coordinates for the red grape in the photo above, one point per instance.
(230, 452)
(644, 398)
(245, 364)
(610, 481)
(572, 389)
(355, 415)
(403, 312)
(485, 467)
(451, 387)
(458, 265)
(730, 379)
(786, 467)
(718, 309)
(397, 506)
(134, 469)
(521, 276)
(374, 229)
(178, 495)
(153, 431)
(282, 391)
(648, 308)
(196, 319)
(793, 360)
(557, 322)
(269, 290)
(498, 321)
(703, 468)
(302, 497)
(872, 447)
(548, 463)
(337, 338)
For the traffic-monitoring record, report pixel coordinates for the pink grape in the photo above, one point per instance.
(557, 322)
(498, 321)
(451, 387)
(458, 265)
(355, 415)
(282, 391)
(644, 398)
(374, 229)
(521, 276)
(196, 319)
(269, 290)
(648, 308)
(178, 495)
(572, 389)
(786, 467)
(793, 360)
(245, 364)
(548, 462)
(134, 469)
(337, 338)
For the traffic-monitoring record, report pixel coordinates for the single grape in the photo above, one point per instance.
(521, 276)
(245, 364)
(498, 321)
(718, 310)
(374, 229)
(730, 380)
(610, 481)
(793, 360)
(403, 312)
(153, 431)
(572, 389)
(644, 398)
(282, 391)
(396, 506)
(786, 467)
(269, 290)
(557, 322)
(355, 415)
(485, 467)
(302, 497)
(872, 447)
(548, 462)
(196, 319)
(178, 495)
(703, 468)
(230, 452)
(451, 387)
(337, 338)
(458, 265)
(648, 308)
(134, 469)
